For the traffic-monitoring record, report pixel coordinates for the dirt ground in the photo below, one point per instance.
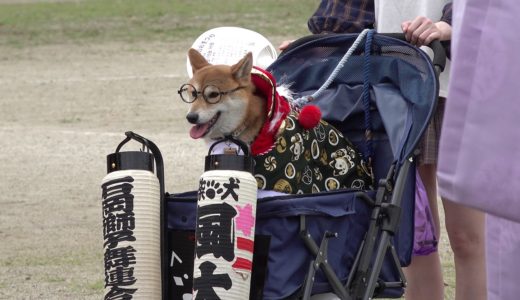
(63, 109)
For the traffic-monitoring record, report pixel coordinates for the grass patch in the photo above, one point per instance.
(53, 279)
(97, 286)
(87, 287)
(94, 21)
(69, 259)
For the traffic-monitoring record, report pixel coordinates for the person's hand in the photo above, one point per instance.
(422, 31)
(285, 44)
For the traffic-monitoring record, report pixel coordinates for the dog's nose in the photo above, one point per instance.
(192, 117)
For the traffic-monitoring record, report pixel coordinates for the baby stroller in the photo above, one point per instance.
(351, 243)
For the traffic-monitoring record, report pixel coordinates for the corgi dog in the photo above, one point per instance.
(295, 151)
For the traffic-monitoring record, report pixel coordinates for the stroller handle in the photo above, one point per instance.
(439, 54)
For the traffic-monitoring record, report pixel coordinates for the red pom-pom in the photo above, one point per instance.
(310, 116)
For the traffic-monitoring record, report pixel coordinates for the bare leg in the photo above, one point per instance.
(424, 277)
(424, 274)
(465, 227)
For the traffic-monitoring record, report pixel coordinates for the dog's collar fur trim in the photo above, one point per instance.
(277, 110)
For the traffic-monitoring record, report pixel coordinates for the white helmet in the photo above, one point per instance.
(227, 45)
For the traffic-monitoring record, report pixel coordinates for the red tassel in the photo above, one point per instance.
(309, 117)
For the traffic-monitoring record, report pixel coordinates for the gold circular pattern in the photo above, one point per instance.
(283, 186)
(260, 181)
(315, 149)
(333, 137)
(290, 171)
(331, 184)
(281, 144)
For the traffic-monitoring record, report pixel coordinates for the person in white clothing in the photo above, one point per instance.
(465, 226)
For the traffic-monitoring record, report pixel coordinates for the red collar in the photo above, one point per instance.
(277, 110)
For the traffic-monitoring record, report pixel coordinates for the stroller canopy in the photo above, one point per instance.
(402, 84)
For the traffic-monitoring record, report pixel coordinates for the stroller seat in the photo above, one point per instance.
(349, 242)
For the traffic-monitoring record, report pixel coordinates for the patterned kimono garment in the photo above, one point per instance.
(310, 161)
(294, 160)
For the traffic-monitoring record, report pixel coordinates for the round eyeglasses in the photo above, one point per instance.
(210, 93)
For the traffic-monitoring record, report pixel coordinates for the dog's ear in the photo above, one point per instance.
(197, 61)
(242, 69)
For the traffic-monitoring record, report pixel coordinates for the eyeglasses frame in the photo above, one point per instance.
(198, 93)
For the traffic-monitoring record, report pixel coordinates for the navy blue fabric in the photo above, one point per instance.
(288, 257)
(403, 84)
(278, 217)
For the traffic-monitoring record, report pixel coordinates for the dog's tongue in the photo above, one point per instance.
(198, 131)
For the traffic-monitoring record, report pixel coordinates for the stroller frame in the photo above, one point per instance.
(362, 282)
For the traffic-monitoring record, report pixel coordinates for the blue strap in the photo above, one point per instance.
(300, 102)
(369, 151)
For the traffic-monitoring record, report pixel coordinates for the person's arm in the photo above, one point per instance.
(284, 45)
(447, 17)
(422, 31)
(447, 13)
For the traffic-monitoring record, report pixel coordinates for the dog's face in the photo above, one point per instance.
(222, 96)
